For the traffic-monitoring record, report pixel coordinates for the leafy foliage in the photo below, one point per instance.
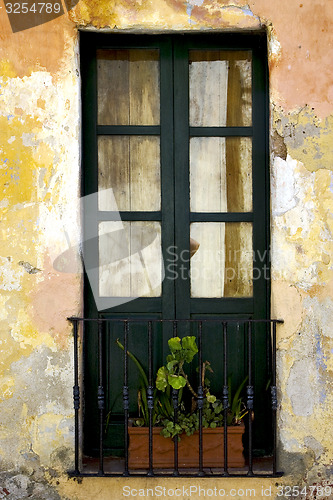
(171, 376)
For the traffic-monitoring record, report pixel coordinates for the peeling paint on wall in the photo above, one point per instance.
(39, 161)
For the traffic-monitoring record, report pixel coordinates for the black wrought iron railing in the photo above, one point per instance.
(107, 347)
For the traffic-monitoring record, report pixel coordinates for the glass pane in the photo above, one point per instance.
(222, 265)
(128, 87)
(130, 166)
(220, 88)
(221, 174)
(130, 259)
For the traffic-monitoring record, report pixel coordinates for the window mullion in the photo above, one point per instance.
(181, 179)
(167, 175)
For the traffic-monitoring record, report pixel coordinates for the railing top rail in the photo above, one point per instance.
(189, 320)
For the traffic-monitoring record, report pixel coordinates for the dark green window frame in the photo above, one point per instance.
(175, 216)
(174, 132)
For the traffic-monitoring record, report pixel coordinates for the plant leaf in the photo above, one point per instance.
(136, 361)
(171, 364)
(162, 378)
(236, 402)
(190, 346)
(210, 398)
(176, 381)
(174, 344)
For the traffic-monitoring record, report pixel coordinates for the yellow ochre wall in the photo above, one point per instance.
(40, 178)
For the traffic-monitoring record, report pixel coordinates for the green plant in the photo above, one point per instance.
(173, 375)
(162, 402)
(237, 409)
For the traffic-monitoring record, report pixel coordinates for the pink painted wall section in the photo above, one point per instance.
(301, 73)
(301, 69)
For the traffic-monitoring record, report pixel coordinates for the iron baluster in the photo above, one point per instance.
(200, 399)
(126, 396)
(175, 414)
(100, 398)
(274, 400)
(76, 394)
(150, 397)
(249, 401)
(225, 397)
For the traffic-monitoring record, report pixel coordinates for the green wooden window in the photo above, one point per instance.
(175, 141)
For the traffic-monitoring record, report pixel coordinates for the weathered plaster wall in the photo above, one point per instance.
(39, 172)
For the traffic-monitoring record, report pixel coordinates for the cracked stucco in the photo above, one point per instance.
(39, 175)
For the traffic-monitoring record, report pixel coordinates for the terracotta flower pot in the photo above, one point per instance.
(188, 448)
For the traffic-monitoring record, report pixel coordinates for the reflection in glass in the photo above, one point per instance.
(128, 87)
(222, 265)
(130, 259)
(221, 174)
(130, 165)
(220, 88)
